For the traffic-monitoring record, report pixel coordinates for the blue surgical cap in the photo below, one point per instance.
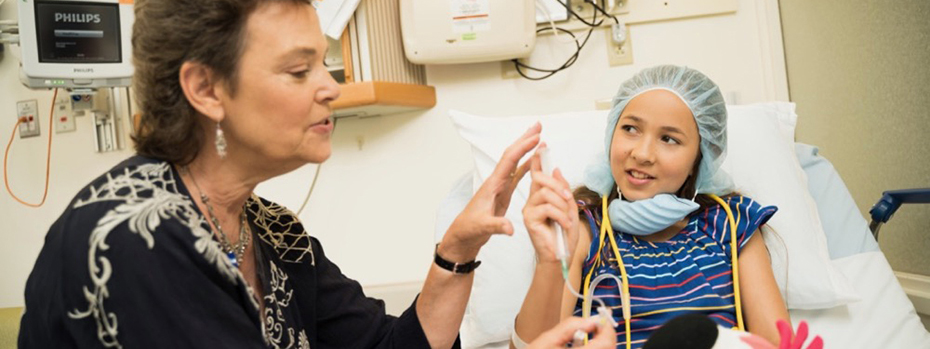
(706, 103)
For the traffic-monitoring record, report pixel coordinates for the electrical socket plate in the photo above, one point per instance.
(620, 54)
(29, 110)
(64, 118)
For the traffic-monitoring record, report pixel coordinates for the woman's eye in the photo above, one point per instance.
(628, 128)
(300, 74)
(670, 140)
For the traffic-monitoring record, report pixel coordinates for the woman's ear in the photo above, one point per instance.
(202, 90)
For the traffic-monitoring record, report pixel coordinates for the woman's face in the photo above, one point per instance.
(654, 146)
(279, 115)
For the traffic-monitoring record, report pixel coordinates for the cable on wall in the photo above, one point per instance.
(48, 157)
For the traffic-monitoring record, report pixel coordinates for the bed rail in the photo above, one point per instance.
(891, 200)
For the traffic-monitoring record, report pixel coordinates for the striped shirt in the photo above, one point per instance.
(689, 273)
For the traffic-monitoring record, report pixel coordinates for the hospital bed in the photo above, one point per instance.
(882, 317)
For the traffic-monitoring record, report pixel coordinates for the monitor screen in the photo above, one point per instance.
(78, 32)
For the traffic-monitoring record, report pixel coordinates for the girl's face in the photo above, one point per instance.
(654, 146)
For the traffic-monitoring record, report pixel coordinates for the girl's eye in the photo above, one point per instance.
(670, 140)
(628, 128)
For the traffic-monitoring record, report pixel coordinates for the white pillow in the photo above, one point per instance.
(507, 262)
(575, 138)
(764, 166)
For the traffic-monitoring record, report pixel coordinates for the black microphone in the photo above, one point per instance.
(692, 331)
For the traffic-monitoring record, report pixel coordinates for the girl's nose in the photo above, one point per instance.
(643, 152)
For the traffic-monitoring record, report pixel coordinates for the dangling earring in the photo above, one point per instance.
(619, 194)
(220, 142)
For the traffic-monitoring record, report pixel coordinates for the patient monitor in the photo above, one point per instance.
(81, 44)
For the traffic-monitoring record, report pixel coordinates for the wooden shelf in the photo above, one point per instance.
(381, 98)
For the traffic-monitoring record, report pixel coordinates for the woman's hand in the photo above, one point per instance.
(550, 200)
(484, 214)
(564, 333)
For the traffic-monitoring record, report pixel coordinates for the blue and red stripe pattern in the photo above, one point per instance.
(689, 273)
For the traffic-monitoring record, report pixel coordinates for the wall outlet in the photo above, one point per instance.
(30, 111)
(63, 118)
(620, 54)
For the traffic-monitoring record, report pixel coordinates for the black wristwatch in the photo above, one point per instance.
(457, 268)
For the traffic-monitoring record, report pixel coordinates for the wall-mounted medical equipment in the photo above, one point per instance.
(75, 44)
(467, 31)
(9, 31)
(376, 78)
(110, 129)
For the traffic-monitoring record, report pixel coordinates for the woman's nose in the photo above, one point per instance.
(330, 90)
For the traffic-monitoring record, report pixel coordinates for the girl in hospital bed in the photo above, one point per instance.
(660, 202)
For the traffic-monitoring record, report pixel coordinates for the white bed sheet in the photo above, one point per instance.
(884, 318)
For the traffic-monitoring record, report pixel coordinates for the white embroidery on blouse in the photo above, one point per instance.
(279, 227)
(147, 196)
(275, 324)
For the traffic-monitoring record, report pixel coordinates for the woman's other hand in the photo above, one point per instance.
(484, 214)
(564, 333)
(550, 202)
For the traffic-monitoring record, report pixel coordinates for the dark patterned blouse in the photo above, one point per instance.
(132, 263)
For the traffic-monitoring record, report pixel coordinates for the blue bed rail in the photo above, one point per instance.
(885, 208)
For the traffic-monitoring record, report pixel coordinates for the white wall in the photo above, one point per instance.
(374, 206)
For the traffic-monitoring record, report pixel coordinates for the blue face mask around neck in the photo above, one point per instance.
(649, 216)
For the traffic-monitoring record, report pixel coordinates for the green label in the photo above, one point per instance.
(469, 36)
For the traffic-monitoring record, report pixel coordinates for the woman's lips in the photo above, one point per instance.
(324, 126)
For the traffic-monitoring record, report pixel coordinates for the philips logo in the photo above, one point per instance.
(83, 70)
(77, 17)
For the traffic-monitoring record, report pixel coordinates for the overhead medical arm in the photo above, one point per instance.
(885, 208)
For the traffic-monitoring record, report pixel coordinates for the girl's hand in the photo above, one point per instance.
(484, 214)
(550, 200)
